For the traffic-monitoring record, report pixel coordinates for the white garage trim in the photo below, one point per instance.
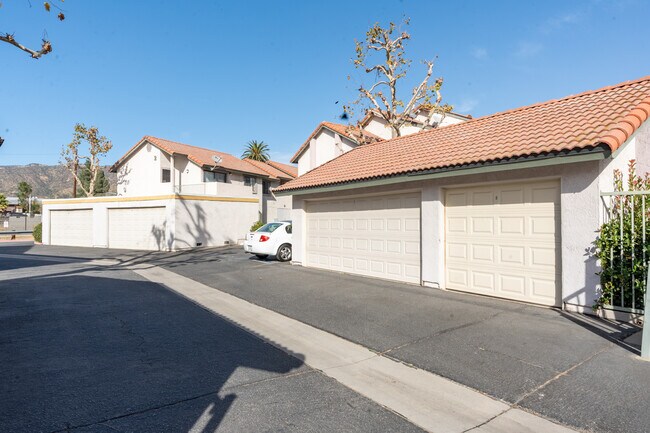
(376, 236)
(141, 228)
(71, 227)
(504, 240)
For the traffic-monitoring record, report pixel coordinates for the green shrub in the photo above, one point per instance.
(38, 232)
(621, 250)
(257, 225)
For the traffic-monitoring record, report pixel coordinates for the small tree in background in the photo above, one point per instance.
(46, 46)
(96, 145)
(38, 232)
(256, 150)
(382, 54)
(24, 192)
(102, 185)
(4, 204)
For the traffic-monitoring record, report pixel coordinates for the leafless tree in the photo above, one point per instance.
(98, 145)
(382, 53)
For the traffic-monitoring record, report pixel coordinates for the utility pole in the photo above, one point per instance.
(74, 181)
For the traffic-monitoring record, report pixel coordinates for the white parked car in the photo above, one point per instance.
(272, 239)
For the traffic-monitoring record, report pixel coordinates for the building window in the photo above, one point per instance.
(166, 175)
(249, 180)
(265, 187)
(214, 176)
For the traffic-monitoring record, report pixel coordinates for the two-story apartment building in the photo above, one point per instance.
(172, 196)
(330, 140)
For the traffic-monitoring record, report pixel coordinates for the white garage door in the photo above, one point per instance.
(137, 228)
(71, 227)
(504, 240)
(375, 236)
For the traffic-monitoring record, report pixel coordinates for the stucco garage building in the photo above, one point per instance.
(172, 196)
(506, 205)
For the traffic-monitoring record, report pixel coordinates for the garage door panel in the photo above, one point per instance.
(137, 228)
(503, 240)
(71, 227)
(376, 236)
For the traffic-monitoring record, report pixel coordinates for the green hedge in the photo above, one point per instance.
(619, 246)
(256, 225)
(38, 232)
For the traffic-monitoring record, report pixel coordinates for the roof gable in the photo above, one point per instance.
(198, 155)
(604, 117)
(337, 128)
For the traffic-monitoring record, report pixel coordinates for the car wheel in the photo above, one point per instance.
(284, 253)
(262, 256)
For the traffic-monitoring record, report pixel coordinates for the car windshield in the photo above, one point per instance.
(269, 228)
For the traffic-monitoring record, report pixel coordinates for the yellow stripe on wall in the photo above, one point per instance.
(149, 198)
(209, 198)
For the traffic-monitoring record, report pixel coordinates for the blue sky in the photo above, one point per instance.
(218, 74)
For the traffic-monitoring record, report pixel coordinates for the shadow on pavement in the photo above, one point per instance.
(87, 352)
(610, 330)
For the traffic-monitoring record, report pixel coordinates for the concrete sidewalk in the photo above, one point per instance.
(429, 401)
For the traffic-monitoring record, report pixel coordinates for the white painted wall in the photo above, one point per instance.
(325, 146)
(304, 162)
(141, 174)
(277, 208)
(378, 126)
(100, 208)
(212, 223)
(580, 220)
(187, 222)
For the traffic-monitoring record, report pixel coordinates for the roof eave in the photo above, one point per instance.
(599, 152)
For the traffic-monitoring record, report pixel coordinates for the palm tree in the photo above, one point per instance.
(257, 150)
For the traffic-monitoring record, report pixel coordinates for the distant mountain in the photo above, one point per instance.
(47, 181)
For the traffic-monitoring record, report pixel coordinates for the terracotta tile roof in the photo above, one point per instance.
(604, 117)
(344, 130)
(273, 172)
(198, 155)
(291, 170)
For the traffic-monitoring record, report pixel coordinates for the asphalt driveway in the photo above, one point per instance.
(567, 367)
(90, 349)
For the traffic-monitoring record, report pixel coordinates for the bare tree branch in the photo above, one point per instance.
(97, 146)
(387, 44)
(46, 47)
